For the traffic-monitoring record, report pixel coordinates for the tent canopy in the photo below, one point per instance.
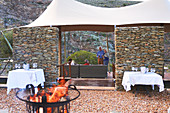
(70, 15)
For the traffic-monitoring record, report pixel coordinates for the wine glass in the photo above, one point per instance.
(153, 70)
(24, 65)
(147, 70)
(34, 65)
(16, 66)
(19, 66)
(133, 68)
(136, 69)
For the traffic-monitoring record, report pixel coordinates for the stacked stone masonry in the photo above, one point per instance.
(138, 46)
(37, 45)
(134, 46)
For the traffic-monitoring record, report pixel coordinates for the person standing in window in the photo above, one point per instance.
(106, 57)
(100, 55)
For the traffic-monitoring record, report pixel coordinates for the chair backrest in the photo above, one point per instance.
(4, 67)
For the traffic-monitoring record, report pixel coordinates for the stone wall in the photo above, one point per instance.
(135, 46)
(138, 46)
(37, 45)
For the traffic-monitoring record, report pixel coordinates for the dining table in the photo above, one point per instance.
(132, 78)
(19, 78)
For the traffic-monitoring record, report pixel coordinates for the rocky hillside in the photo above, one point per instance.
(109, 3)
(20, 12)
(15, 13)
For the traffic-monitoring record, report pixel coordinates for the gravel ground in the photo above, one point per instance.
(97, 101)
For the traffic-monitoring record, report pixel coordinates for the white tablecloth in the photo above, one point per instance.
(137, 78)
(20, 78)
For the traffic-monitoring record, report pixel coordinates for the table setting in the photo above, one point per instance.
(142, 77)
(25, 66)
(20, 77)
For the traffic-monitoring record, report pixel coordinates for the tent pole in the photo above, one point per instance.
(64, 47)
(108, 51)
(59, 51)
(107, 43)
(7, 41)
(113, 64)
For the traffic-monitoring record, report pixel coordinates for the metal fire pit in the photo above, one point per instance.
(61, 106)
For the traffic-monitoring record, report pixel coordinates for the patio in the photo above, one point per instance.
(135, 46)
(109, 101)
(99, 95)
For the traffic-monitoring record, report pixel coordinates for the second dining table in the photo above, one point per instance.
(132, 78)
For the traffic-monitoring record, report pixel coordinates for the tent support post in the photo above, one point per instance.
(59, 52)
(108, 51)
(64, 47)
(7, 41)
(114, 68)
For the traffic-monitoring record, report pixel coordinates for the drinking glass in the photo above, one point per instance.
(136, 69)
(19, 66)
(153, 70)
(16, 66)
(23, 66)
(34, 65)
(147, 70)
(133, 68)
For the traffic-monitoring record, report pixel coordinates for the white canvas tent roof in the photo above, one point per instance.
(71, 15)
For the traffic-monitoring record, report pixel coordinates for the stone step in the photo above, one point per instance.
(90, 83)
(94, 88)
(166, 79)
(3, 77)
(3, 85)
(87, 78)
